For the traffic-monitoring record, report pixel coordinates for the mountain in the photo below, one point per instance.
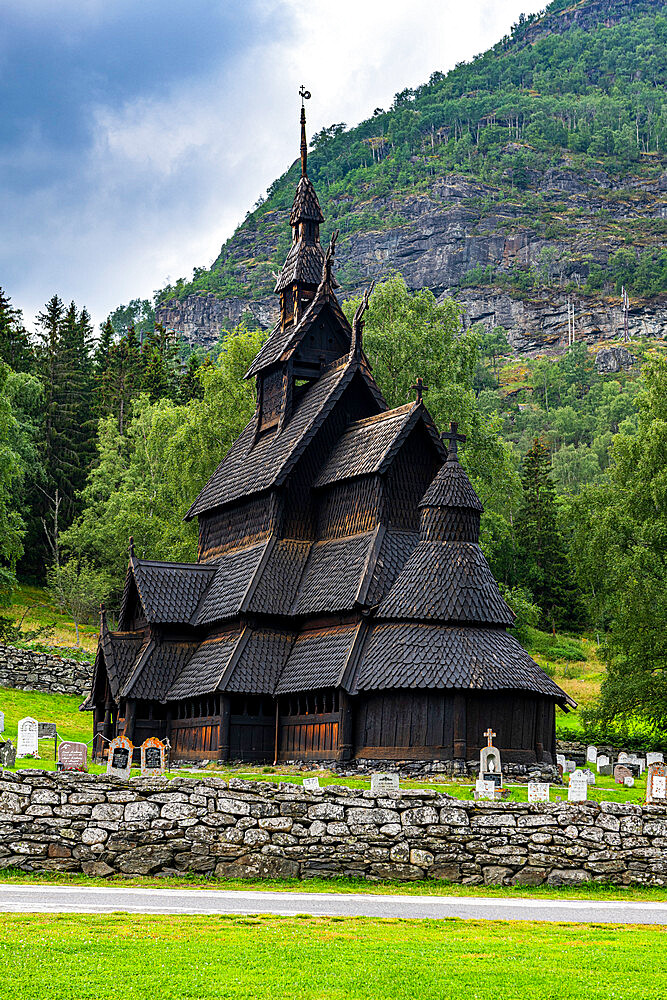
(532, 176)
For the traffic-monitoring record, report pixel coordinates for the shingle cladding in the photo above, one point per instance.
(395, 550)
(447, 582)
(234, 574)
(362, 449)
(402, 655)
(318, 659)
(251, 468)
(158, 667)
(260, 662)
(170, 592)
(304, 264)
(278, 583)
(334, 574)
(451, 488)
(121, 650)
(305, 207)
(205, 669)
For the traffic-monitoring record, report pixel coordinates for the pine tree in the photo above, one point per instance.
(15, 347)
(160, 364)
(542, 560)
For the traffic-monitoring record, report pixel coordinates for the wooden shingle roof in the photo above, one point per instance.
(234, 575)
(335, 574)
(318, 659)
(432, 656)
(283, 342)
(169, 592)
(305, 207)
(252, 467)
(368, 446)
(278, 582)
(303, 264)
(156, 667)
(451, 488)
(447, 582)
(205, 669)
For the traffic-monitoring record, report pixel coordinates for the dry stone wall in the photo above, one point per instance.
(29, 671)
(103, 826)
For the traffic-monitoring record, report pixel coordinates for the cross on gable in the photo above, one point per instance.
(453, 437)
(419, 388)
(489, 737)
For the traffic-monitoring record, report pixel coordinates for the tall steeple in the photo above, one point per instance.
(302, 270)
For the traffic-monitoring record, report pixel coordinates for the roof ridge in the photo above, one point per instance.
(391, 414)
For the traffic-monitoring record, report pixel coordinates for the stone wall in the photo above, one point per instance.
(28, 671)
(256, 829)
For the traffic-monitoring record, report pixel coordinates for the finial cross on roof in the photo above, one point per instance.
(489, 737)
(304, 94)
(419, 388)
(453, 437)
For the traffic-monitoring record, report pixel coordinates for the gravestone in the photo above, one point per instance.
(638, 762)
(153, 757)
(560, 759)
(119, 759)
(46, 730)
(490, 766)
(2, 722)
(72, 756)
(485, 789)
(560, 771)
(634, 767)
(629, 782)
(623, 757)
(570, 765)
(656, 783)
(538, 791)
(602, 761)
(621, 772)
(592, 754)
(589, 776)
(384, 784)
(651, 758)
(312, 784)
(27, 739)
(578, 788)
(7, 754)
(605, 770)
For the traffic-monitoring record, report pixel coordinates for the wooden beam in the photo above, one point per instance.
(223, 731)
(460, 724)
(345, 727)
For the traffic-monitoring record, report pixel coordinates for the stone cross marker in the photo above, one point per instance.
(538, 791)
(27, 738)
(72, 756)
(656, 783)
(153, 757)
(490, 766)
(311, 784)
(384, 784)
(119, 760)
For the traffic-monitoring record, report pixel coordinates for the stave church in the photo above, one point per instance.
(340, 607)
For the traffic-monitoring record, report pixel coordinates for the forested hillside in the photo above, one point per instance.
(532, 174)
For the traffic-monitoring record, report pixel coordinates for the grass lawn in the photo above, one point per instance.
(95, 957)
(32, 608)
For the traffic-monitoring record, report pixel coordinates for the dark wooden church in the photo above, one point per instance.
(340, 606)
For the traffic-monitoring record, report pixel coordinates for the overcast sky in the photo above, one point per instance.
(135, 134)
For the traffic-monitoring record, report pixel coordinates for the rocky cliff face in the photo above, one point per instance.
(461, 225)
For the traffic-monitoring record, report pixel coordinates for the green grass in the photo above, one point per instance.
(32, 608)
(96, 957)
(63, 709)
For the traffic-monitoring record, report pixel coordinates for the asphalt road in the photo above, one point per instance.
(72, 899)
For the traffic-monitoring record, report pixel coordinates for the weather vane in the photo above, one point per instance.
(304, 94)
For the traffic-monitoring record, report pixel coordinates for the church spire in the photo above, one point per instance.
(305, 96)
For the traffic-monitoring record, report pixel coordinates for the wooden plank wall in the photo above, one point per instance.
(309, 737)
(194, 738)
(404, 725)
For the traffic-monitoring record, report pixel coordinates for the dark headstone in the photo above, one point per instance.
(7, 754)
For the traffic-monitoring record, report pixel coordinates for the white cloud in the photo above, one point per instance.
(166, 179)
